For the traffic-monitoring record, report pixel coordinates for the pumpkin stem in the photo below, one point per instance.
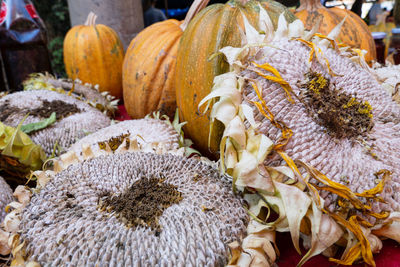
(195, 8)
(91, 19)
(310, 5)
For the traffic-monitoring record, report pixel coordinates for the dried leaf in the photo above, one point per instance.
(36, 126)
(296, 29)
(390, 228)
(16, 144)
(325, 232)
(282, 30)
(252, 35)
(4, 248)
(296, 204)
(237, 132)
(247, 172)
(23, 194)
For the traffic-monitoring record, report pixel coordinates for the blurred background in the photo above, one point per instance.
(59, 18)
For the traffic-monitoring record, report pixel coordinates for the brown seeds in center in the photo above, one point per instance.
(115, 142)
(343, 115)
(61, 108)
(143, 203)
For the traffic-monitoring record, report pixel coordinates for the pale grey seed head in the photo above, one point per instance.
(63, 225)
(345, 160)
(65, 131)
(145, 131)
(6, 197)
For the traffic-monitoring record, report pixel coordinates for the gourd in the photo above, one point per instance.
(197, 63)
(354, 32)
(93, 53)
(149, 66)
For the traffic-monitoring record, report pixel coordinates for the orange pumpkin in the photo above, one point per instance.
(93, 53)
(213, 28)
(354, 32)
(149, 66)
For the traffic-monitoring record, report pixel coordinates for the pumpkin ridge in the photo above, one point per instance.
(139, 106)
(141, 84)
(166, 55)
(116, 45)
(167, 97)
(100, 58)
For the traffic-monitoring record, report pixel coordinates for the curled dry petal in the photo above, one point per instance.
(328, 233)
(236, 131)
(252, 35)
(11, 222)
(224, 111)
(4, 248)
(391, 228)
(23, 194)
(257, 249)
(247, 172)
(296, 204)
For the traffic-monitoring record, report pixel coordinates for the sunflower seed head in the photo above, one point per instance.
(69, 223)
(66, 130)
(6, 196)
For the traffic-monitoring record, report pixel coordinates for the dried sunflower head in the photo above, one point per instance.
(389, 77)
(313, 134)
(74, 119)
(134, 209)
(85, 92)
(6, 196)
(143, 134)
(343, 123)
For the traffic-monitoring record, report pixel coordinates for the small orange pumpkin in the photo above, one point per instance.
(354, 32)
(93, 53)
(149, 66)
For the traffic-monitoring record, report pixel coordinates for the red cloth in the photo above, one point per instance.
(388, 257)
(121, 114)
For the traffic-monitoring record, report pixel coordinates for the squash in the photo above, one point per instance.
(355, 31)
(149, 66)
(93, 53)
(197, 63)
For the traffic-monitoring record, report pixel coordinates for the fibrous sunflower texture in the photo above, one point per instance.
(310, 133)
(144, 134)
(6, 197)
(366, 144)
(74, 119)
(185, 214)
(85, 92)
(146, 131)
(389, 77)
